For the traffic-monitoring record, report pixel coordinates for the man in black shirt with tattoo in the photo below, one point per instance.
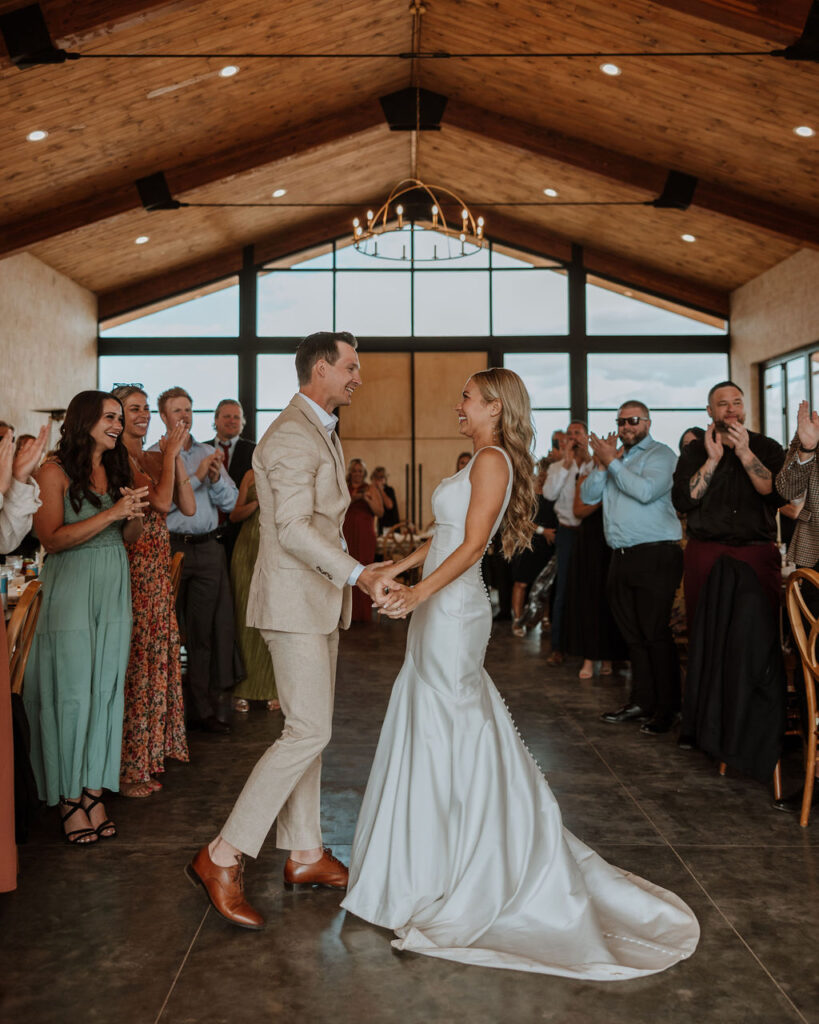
(724, 485)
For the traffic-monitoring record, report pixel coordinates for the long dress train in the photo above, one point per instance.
(460, 847)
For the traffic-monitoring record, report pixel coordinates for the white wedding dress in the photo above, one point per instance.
(460, 848)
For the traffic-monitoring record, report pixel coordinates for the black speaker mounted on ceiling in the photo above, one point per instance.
(28, 40)
(155, 194)
(411, 108)
(677, 192)
(806, 46)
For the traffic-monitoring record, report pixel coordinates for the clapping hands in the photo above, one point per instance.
(605, 448)
(174, 440)
(807, 427)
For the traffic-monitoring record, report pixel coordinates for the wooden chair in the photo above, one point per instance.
(399, 541)
(20, 632)
(805, 627)
(176, 573)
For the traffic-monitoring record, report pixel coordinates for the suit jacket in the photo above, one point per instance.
(299, 583)
(792, 481)
(240, 460)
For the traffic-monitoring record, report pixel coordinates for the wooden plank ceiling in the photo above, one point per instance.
(512, 128)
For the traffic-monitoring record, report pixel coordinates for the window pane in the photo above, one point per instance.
(612, 312)
(452, 304)
(529, 302)
(502, 259)
(667, 427)
(263, 421)
(773, 403)
(207, 379)
(293, 304)
(546, 376)
(662, 381)
(276, 381)
(373, 303)
(797, 390)
(209, 316)
(547, 421)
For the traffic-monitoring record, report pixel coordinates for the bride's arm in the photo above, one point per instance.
(412, 560)
(488, 478)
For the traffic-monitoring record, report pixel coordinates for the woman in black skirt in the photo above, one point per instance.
(590, 629)
(528, 564)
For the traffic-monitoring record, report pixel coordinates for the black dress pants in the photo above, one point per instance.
(204, 609)
(641, 586)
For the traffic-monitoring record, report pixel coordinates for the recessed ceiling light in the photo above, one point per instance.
(279, 193)
(803, 130)
(37, 136)
(688, 238)
(228, 71)
(551, 192)
(610, 69)
(141, 240)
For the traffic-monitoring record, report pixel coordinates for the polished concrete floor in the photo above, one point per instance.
(117, 934)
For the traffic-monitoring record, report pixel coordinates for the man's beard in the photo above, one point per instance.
(634, 440)
(722, 426)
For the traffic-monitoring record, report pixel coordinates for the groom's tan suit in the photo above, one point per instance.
(298, 599)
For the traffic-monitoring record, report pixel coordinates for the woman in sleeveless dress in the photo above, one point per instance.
(153, 726)
(75, 676)
(259, 682)
(460, 847)
(366, 505)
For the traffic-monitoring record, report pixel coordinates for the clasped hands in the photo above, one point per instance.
(605, 449)
(393, 599)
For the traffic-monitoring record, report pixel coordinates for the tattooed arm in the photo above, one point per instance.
(759, 475)
(699, 482)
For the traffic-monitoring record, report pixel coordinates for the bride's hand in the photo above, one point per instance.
(401, 602)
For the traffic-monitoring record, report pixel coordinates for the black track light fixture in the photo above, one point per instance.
(155, 194)
(28, 40)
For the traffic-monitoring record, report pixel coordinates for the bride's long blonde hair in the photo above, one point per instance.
(516, 435)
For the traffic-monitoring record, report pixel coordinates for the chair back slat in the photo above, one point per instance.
(176, 573)
(805, 628)
(20, 632)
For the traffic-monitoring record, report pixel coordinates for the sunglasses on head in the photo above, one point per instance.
(126, 385)
(632, 421)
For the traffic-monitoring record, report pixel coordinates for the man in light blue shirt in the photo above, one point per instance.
(205, 605)
(641, 526)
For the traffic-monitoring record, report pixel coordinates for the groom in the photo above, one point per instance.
(299, 596)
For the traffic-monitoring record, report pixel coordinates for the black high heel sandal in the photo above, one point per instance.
(93, 801)
(75, 836)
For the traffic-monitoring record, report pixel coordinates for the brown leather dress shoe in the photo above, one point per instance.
(327, 872)
(225, 890)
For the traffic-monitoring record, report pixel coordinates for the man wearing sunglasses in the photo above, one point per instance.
(634, 483)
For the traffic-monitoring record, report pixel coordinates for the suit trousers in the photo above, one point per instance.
(204, 610)
(641, 586)
(285, 783)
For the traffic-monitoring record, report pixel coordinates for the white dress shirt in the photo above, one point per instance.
(559, 488)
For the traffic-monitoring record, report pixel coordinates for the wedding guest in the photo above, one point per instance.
(390, 516)
(75, 677)
(574, 463)
(462, 460)
(6, 429)
(692, 434)
(204, 606)
(723, 484)
(634, 483)
(237, 451)
(359, 530)
(590, 629)
(19, 500)
(527, 564)
(29, 545)
(154, 716)
(260, 682)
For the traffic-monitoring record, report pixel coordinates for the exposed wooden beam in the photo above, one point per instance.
(272, 247)
(279, 149)
(780, 21)
(779, 220)
(73, 25)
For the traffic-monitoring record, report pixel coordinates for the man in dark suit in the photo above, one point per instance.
(237, 452)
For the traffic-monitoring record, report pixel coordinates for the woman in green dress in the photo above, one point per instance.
(259, 684)
(74, 682)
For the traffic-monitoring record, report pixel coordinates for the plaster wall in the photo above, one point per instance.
(48, 341)
(774, 313)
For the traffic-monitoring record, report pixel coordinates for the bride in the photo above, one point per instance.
(460, 848)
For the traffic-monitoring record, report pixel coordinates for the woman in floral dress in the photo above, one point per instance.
(154, 720)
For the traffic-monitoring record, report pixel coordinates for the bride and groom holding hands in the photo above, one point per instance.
(459, 846)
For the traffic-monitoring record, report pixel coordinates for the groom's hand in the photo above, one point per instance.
(376, 582)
